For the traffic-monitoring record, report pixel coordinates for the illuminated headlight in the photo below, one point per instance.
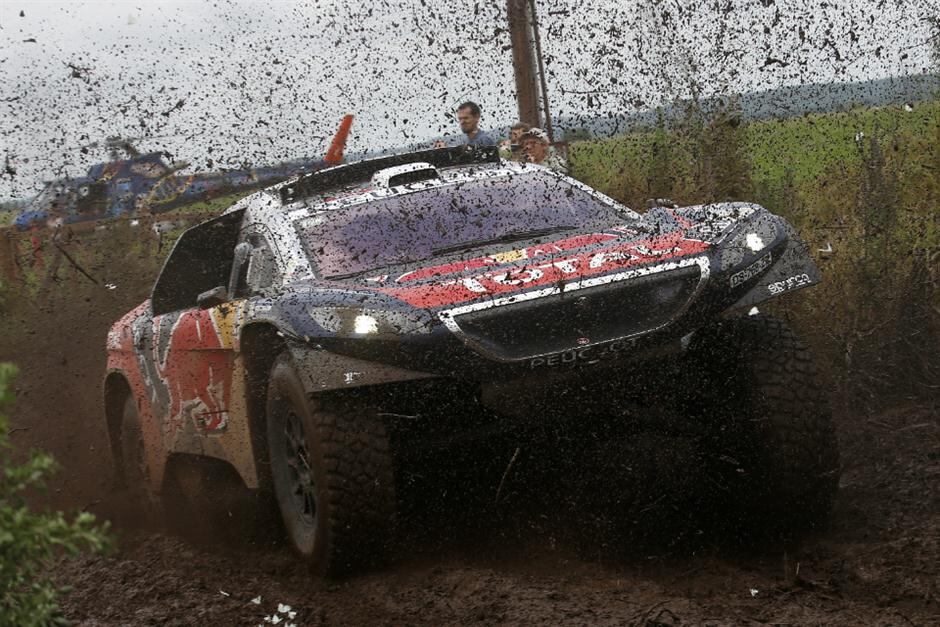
(755, 236)
(754, 242)
(364, 325)
(366, 322)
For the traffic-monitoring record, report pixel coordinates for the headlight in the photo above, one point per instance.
(753, 237)
(348, 321)
(754, 242)
(365, 324)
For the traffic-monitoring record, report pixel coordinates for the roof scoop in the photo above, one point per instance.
(405, 174)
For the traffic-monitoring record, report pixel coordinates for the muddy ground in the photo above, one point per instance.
(876, 564)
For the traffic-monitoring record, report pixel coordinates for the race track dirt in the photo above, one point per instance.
(877, 564)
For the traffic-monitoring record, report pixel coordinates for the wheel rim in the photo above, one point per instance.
(300, 484)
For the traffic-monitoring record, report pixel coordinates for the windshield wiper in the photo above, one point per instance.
(511, 236)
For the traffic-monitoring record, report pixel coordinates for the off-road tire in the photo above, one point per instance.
(350, 463)
(770, 438)
(138, 505)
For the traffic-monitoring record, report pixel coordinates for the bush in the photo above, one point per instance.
(30, 539)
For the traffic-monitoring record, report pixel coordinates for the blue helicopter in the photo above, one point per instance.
(145, 183)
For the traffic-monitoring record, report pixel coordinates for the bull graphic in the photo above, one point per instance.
(190, 367)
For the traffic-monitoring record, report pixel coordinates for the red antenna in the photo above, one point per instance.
(334, 155)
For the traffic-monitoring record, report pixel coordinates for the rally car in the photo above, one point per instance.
(319, 330)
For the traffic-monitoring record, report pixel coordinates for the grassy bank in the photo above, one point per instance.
(863, 184)
(800, 151)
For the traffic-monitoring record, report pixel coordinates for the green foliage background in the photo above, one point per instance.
(30, 539)
(865, 183)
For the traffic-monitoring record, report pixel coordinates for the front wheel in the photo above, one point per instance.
(771, 439)
(332, 475)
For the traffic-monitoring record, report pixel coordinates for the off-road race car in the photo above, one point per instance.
(319, 332)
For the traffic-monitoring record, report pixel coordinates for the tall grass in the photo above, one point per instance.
(863, 183)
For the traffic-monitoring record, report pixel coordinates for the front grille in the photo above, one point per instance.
(579, 317)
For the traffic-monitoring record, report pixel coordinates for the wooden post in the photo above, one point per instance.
(542, 82)
(523, 61)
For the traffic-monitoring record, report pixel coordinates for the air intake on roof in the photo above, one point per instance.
(362, 171)
(405, 174)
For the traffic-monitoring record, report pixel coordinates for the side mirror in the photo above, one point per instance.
(242, 252)
(213, 297)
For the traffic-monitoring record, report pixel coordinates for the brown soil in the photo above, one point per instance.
(877, 564)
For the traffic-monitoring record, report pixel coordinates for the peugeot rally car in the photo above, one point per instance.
(319, 329)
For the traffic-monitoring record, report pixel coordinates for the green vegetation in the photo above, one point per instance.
(30, 539)
(864, 184)
(9, 210)
(798, 150)
(31, 263)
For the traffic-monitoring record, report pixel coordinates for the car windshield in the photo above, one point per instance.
(415, 226)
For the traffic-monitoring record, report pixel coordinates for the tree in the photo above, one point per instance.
(30, 539)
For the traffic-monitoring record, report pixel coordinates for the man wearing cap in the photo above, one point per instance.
(537, 150)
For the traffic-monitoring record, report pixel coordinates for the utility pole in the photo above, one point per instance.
(523, 61)
(542, 81)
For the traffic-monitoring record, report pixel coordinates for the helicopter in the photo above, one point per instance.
(146, 183)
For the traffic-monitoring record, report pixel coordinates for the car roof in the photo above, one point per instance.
(367, 191)
(267, 205)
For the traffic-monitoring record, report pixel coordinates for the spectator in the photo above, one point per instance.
(511, 149)
(537, 150)
(468, 114)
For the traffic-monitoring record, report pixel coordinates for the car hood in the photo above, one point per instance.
(659, 236)
(503, 269)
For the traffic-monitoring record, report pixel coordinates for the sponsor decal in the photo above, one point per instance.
(751, 271)
(625, 230)
(510, 256)
(585, 354)
(187, 364)
(790, 283)
(542, 270)
(553, 248)
(656, 252)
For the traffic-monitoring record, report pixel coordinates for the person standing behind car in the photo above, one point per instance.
(468, 115)
(511, 149)
(537, 150)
